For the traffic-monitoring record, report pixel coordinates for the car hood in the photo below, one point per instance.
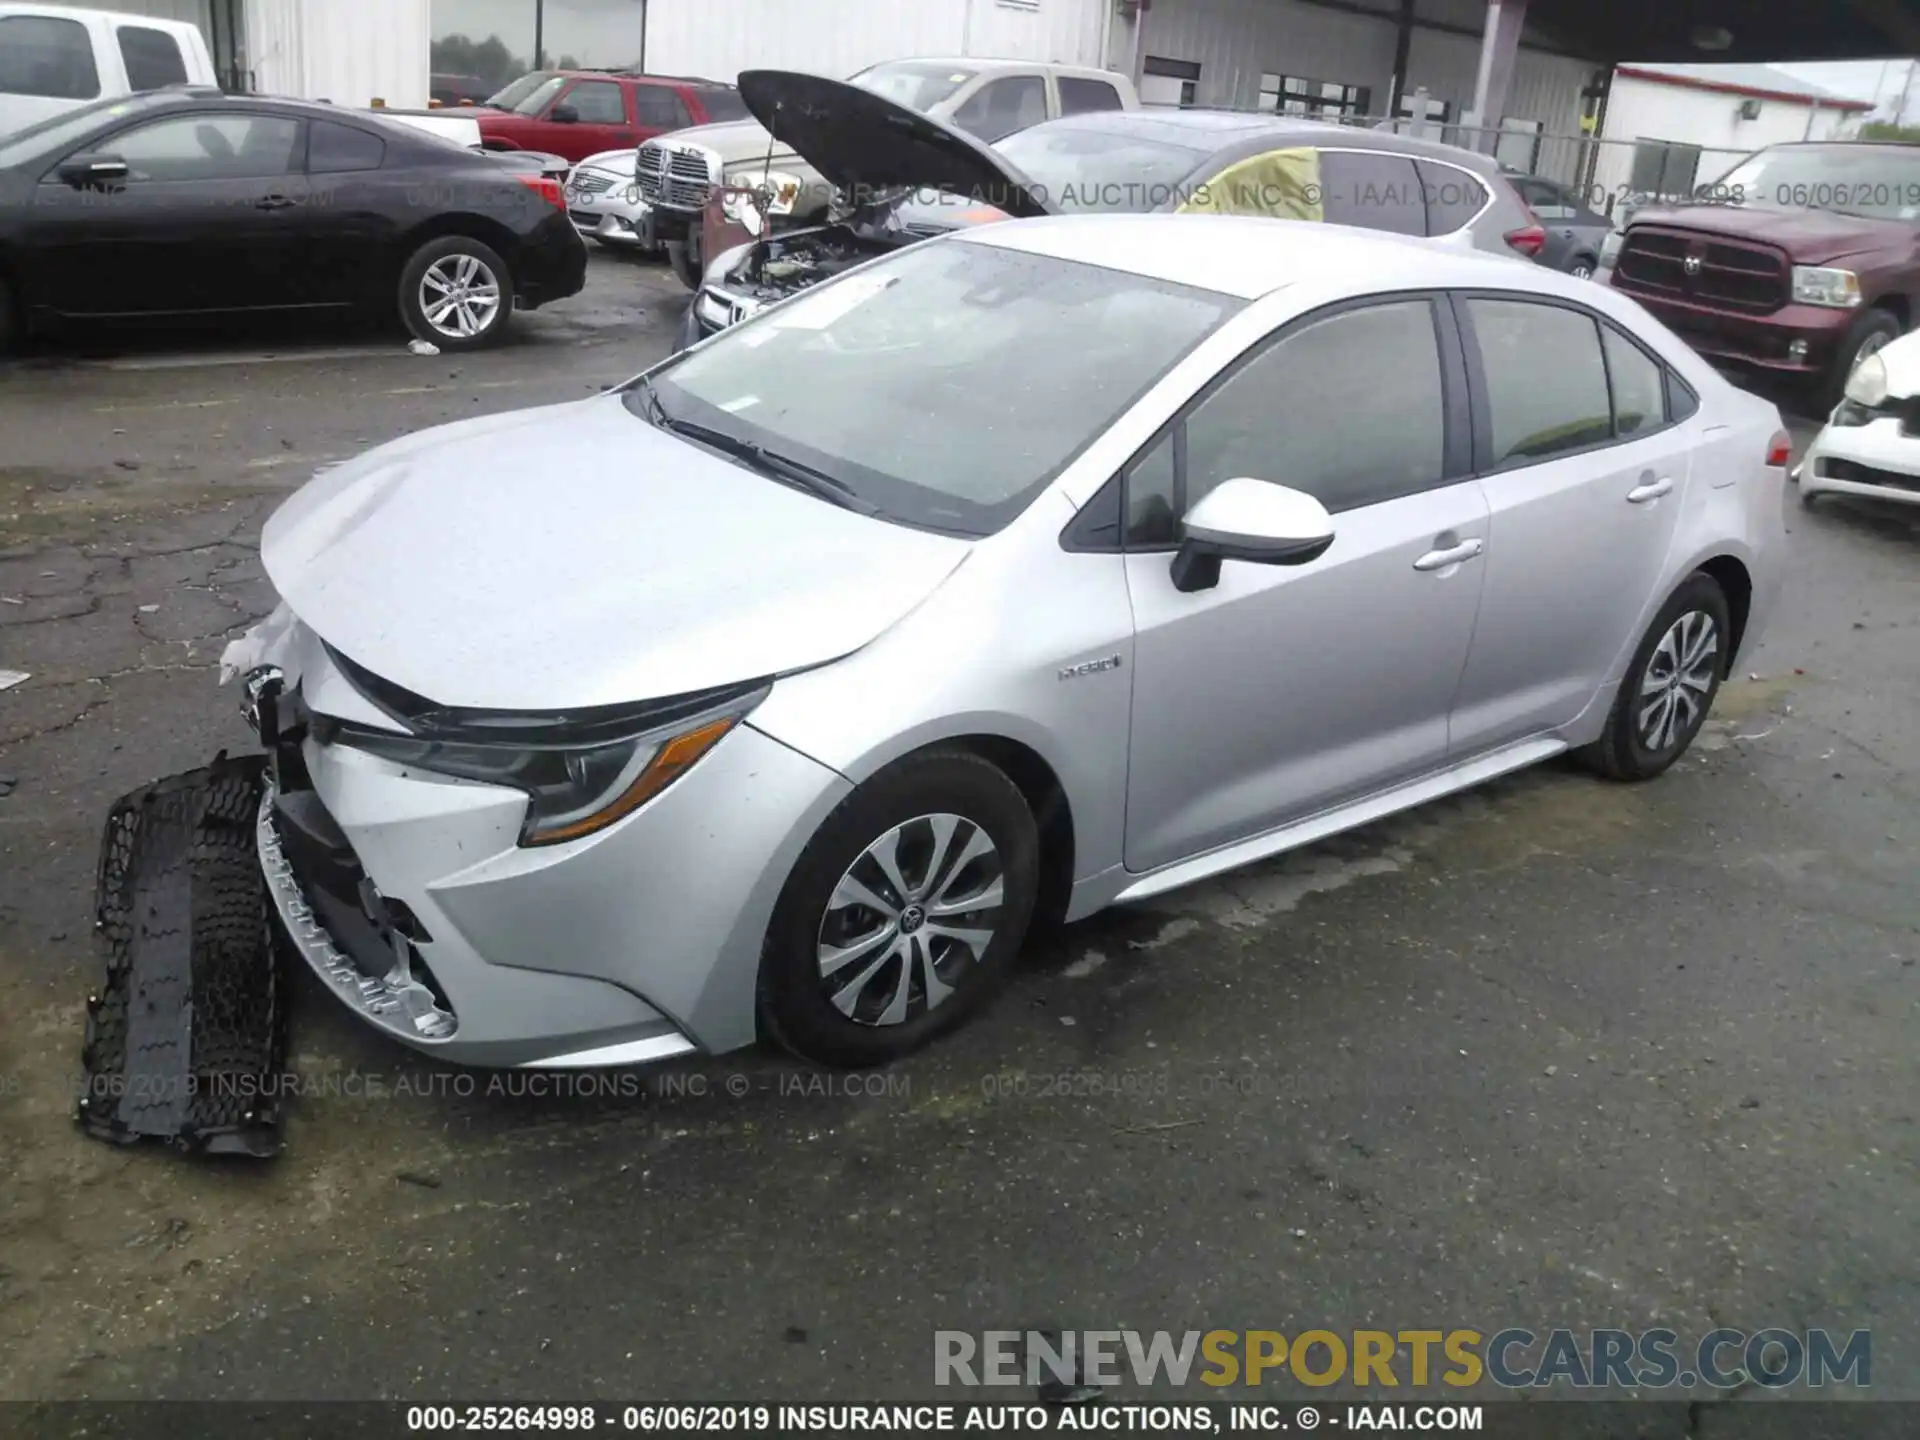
(1902, 359)
(613, 162)
(573, 556)
(861, 141)
(734, 141)
(1811, 237)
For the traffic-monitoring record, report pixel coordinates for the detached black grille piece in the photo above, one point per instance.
(187, 1036)
(1868, 475)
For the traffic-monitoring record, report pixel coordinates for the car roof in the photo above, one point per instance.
(1250, 256)
(1214, 130)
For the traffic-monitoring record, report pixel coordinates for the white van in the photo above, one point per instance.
(55, 58)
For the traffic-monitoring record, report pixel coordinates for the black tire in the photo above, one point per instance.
(1583, 266)
(433, 253)
(1871, 330)
(1623, 751)
(685, 257)
(11, 325)
(795, 1008)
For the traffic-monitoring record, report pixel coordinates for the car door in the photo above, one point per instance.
(202, 221)
(1586, 478)
(349, 232)
(1284, 690)
(601, 122)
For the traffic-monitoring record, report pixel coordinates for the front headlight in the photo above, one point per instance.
(1867, 385)
(574, 788)
(778, 193)
(1822, 285)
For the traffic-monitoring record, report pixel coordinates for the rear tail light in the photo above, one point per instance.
(547, 189)
(1779, 450)
(1528, 239)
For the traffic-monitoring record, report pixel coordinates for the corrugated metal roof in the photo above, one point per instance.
(1761, 80)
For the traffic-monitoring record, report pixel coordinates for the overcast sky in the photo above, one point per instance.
(1876, 80)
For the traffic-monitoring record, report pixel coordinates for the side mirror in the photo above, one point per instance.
(1245, 519)
(564, 114)
(84, 170)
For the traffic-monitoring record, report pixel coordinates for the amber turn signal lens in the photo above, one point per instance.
(675, 758)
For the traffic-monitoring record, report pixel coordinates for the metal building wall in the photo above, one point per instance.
(837, 37)
(1235, 41)
(351, 52)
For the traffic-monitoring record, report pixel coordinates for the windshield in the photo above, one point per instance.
(534, 103)
(916, 84)
(66, 128)
(1878, 181)
(946, 385)
(512, 95)
(1087, 169)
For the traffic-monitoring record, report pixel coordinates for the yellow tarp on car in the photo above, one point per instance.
(1283, 184)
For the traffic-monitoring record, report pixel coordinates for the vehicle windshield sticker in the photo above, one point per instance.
(745, 402)
(822, 308)
(958, 78)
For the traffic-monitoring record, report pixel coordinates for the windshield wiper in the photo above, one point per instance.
(794, 473)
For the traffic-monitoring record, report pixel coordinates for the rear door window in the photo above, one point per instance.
(334, 149)
(1453, 197)
(659, 108)
(1546, 379)
(1002, 106)
(152, 58)
(48, 58)
(1078, 95)
(597, 102)
(1639, 385)
(1373, 190)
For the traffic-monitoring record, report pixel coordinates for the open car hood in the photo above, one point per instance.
(859, 141)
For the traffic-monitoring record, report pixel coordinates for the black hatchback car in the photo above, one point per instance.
(189, 202)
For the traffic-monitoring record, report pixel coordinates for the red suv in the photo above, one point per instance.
(577, 113)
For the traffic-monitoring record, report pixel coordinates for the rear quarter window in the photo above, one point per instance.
(1078, 95)
(152, 58)
(334, 149)
(1373, 190)
(48, 58)
(1453, 197)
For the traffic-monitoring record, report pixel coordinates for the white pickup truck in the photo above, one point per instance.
(55, 58)
(676, 173)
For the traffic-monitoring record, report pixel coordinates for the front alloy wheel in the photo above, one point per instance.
(904, 912)
(913, 913)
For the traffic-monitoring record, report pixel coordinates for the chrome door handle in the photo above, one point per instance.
(1651, 490)
(1441, 559)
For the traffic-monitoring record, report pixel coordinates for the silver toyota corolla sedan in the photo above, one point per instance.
(1031, 570)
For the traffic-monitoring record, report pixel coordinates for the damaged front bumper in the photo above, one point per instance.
(410, 896)
(1878, 459)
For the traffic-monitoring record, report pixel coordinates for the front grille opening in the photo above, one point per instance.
(1856, 473)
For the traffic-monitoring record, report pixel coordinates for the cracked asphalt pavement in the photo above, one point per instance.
(1552, 1053)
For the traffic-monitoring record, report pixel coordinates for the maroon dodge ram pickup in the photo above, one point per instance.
(1799, 262)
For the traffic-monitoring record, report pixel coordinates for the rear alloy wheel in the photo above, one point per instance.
(1669, 687)
(1582, 268)
(904, 912)
(456, 293)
